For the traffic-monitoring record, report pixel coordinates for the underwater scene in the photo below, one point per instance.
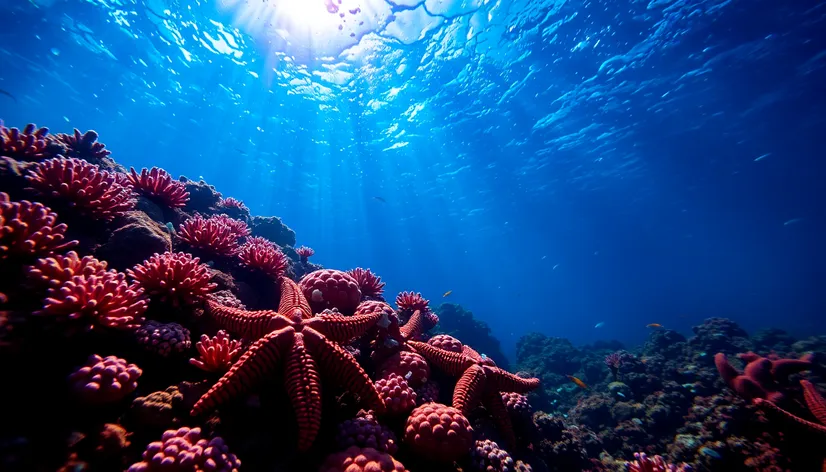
(412, 235)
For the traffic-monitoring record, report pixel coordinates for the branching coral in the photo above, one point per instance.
(158, 184)
(177, 278)
(83, 146)
(261, 255)
(210, 235)
(218, 353)
(369, 283)
(29, 229)
(304, 253)
(656, 464)
(88, 189)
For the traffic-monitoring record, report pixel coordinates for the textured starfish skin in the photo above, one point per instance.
(305, 345)
(815, 402)
(478, 383)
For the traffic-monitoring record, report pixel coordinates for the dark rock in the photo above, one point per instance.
(134, 241)
(12, 180)
(539, 353)
(460, 323)
(272, 228)
(203, 198)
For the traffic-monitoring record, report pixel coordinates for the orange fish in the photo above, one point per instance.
(654, 325)
(447, 293)
(579, 383)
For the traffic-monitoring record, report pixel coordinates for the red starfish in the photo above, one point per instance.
(816, 404)
(478, 382)
(304, 343)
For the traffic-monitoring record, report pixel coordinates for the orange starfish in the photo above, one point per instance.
(304, 343)
(816, 404)
(478, 382)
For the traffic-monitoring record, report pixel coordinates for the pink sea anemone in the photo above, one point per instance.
(30, 144)
(210, 235)
(83, 146)
(30, 229)
(218, 353)
(369, 283)
(304, 253)
(238, 227)
(230, 202)
(158, 184)
(177, 278)
(52, 272)
(262, 255)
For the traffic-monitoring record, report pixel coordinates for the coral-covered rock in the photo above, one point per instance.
(356, 459)
(517, 405)
(261, 255)
(539, 353)
(158, 409)
(186, 450)
(226, 298)
(365, 431)
(487, 456)
(719, 335)
(408, 365)
(104, 379)
(158, 185)
(274, 229)
(643, 463)
(134, 241)
(328, 288)
(163, 339)
(84, 187)
(371, 286)
(438, 432)
(446, 342)
(30, 230)
(203, 198)
(398, 396)
(218, 353)
(461, 324)
(427, 393)
(175, 278)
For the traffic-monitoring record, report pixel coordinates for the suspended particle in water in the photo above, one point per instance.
(55, 51)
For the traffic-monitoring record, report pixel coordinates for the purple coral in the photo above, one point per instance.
(615, 360)
(645, 464)
(365, 431)
(104, 379)
(185, 449)
(30, 229)
(163, 339)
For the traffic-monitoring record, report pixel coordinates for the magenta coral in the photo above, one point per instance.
(489, 457)
(369, 283)
(83, 146)
(31, 144)
(365, 431)
(210, 235)
(54, 271)
(645, 464)
(92, 191)
(230, 202)
(328, 288)
(185, 450)
(177, 278)
(105, 298)
(262, 255)
(304, 253)
(105, 379)
(439, 432)
(446, 342)
(238, 227)
(30, 229)
(218, 353)
(517, 404)
(410, 302)
(398, 396)
(407, 364)
(356, 459)
(163, 339)
(157, 183)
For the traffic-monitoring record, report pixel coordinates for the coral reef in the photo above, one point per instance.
(159, 185)
(438, 431)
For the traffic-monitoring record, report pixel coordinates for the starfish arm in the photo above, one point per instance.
(342, 329)
(451, 362)
(292, 299)
(781, 369)
(790, 417)
(260, 359)
(468, 390)
(494, 404)
(814, 400)
(250, 324)
(413, 327)
(504, 381)
(470, 352)
(304, 390)
(342, 368)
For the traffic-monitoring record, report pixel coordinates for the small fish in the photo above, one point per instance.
(654, 325)
(600, 324)
(579, 383)
(446, 294)
(620, 394)
(8, 94)
(380, 199)
(760, 158)
(792, 221)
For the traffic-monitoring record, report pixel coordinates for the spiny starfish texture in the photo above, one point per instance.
(815, 402)
(305, 344)
(478, 382)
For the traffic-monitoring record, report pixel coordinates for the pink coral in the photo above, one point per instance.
(185, 450)
(517, 404)
(105, 379)
(31, 144)
(218, 353)
(177, 278)
(398, 396)
(369, 283)
(91, 191)
(410, 302)
(487, 456)
(163, 339)
(407, 364)
(304, 253)
(328, 288)
(30, 229)
(439, 432)
(230, 202)
(52, 272)
(83, 146)
(645, 464)
(365, 431)
(356, 459)
(446, 342)
(238, 227)
(103, 298)
(210, 235)
(262, 255)
(157, 183)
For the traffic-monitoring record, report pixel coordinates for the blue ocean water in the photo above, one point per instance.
(556, 164)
